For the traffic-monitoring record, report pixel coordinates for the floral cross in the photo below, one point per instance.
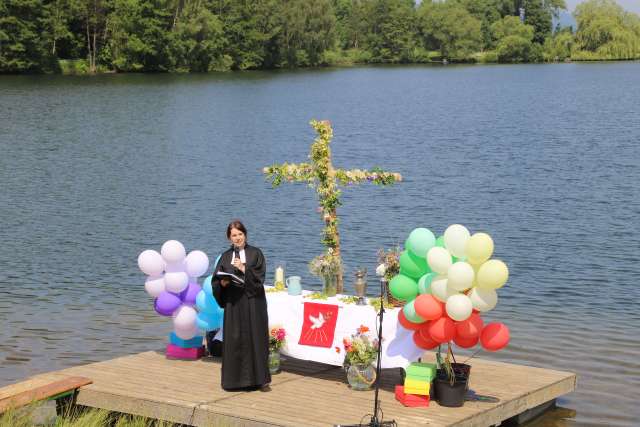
(320, 174)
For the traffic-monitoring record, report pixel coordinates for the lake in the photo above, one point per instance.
(544, 158)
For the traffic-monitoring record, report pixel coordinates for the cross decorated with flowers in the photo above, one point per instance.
(320, 174)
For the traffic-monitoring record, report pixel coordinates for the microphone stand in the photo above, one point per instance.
(374, 421)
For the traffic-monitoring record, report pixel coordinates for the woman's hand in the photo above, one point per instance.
(238, 264)
(224, 282)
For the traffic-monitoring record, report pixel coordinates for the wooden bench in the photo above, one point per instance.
(26, 392)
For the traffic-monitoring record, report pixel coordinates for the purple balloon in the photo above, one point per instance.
(167, 303)
(188, 296)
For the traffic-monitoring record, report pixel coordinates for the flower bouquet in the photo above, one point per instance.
(277, 336)
(328, 266)
(389, 267)
(360, 353)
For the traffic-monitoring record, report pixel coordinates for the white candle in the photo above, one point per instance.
(280, 275)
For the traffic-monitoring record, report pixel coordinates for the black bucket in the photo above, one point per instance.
(448, 395)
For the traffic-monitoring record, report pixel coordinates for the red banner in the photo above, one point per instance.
(319, 324)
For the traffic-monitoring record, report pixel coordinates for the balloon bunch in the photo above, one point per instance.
(446, 283)
(210, 314)
(172, 280)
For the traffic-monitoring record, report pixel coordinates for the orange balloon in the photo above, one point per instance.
(471, 327)
(406, 324)
(494, 336)
(442, 330)
(428, 307)
(420, 340)
(466, 342)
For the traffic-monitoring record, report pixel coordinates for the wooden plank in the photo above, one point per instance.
(38, 392)
(304, 393)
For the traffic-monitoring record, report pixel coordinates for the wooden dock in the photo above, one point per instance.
(303, 394)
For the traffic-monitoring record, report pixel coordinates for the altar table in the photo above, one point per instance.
(398, 348)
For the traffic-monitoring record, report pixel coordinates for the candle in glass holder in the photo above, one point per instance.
(279, 275)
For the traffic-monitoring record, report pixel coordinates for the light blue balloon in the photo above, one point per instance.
(201, 301)
(206, 286)
(209, 321)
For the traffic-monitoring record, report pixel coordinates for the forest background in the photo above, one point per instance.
(90, 36)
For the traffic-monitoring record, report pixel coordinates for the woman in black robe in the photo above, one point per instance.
(245, 341)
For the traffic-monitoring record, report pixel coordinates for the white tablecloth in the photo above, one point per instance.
(398, 348)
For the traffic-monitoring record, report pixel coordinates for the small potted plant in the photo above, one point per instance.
(328, 266)
(277, 337)
(452, 380)
(360, 353)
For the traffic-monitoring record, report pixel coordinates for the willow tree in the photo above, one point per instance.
(320, 174)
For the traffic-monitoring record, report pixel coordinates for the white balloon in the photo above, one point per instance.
(151, 262)
(460, 276)
(176, 282)
(173, 251)
(154, 285)
(197, 263)
(455, 239)
(439, 259)
(440, 289)
(187, 334)
(174, 267)
(184, 318)
(459, 307)
(483, 299)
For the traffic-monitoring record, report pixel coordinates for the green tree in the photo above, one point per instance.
(197, 40)
(391, 30)
(488, 12)
(560, 46)
(22, 49)
(514, 41)
(451, 29)
(606, 31)
(540, 14)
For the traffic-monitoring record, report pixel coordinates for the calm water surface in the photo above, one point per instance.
(546, 158)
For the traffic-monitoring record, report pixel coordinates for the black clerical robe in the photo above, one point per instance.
(245, 342)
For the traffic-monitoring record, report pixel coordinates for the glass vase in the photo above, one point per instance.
(361, 377)
(274, 361)
(330, 285)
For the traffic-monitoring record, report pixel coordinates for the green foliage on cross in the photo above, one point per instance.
(320, 174)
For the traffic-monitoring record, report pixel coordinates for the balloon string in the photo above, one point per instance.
(473, 355)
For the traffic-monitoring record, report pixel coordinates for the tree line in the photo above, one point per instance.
(88, 36)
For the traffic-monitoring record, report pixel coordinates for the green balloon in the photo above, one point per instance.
(440, 242)
(424, 284)
(403, 287)
(410, 313)
(411, 265)
(420, 241)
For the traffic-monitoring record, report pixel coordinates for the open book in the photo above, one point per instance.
(234, 279)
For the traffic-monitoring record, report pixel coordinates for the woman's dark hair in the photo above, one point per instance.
(238, 225)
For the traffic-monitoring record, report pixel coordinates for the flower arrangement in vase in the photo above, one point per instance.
(328, 266)
(360, 353)
(277, 338)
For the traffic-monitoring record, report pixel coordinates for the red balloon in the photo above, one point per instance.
(442, 330)
(420, 340)
(428, 307)
(471, 327)
(494, 336)
(466, 342)
(406, 324)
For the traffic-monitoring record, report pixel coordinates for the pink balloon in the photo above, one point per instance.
(494, 336)
(471, 327)
(428, 307)
(442, 330)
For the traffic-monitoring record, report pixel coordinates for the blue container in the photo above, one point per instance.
(194, 342)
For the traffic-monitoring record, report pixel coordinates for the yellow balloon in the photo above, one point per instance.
(493, 274)
(479, 248)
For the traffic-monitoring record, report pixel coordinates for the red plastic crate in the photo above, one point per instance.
(410, 400)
